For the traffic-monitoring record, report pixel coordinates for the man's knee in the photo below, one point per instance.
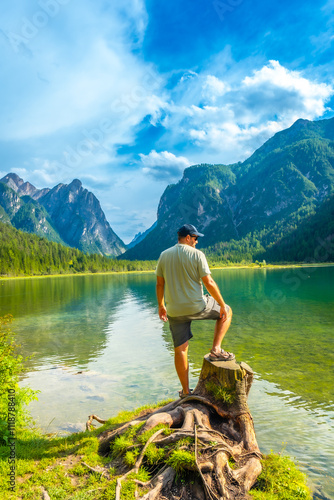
(181, 348)
(227, 316)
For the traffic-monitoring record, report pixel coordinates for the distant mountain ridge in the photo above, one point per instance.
(68, 214)
(280, 186)
(140, 236)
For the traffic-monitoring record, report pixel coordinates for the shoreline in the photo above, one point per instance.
(233, 266)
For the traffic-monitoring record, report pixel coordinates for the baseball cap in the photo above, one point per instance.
(188, 229)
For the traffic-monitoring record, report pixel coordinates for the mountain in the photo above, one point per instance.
(140, 236)
(256, 202)
(67, 214)
(312, 241)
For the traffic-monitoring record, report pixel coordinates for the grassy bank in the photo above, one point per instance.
(68, 468)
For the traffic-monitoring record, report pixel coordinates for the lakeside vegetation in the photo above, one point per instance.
(71, 467)
(12, 364)
(25, 254)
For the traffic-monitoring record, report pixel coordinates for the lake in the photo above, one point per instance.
(98, 346)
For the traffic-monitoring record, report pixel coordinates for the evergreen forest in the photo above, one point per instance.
(25, 254)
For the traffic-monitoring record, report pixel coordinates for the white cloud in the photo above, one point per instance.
(164, 165)
(74, 76)
(245, 113)
(274, 80)
(213, 88)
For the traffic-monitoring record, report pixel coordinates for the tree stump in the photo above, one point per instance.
(216, 418)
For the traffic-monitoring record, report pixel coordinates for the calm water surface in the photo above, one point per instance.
(99, 347)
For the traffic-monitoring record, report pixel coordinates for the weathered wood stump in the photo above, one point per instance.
(223, 444)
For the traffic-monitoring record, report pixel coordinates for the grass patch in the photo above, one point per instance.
(56, 463)
(220, 392)
(131, 457)
(187, 441)
(145, 436)
(182, 461)
(154, 455)
(280, 480)
(129, 486)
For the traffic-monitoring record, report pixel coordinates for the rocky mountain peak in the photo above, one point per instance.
(27, 189)
(75, 185)
(74, 215)
(13, 181)
(22, 188)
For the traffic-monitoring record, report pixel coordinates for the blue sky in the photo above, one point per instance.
(124, 95)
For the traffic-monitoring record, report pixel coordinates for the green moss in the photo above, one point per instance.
(280, 480)
(153, 454)
(184, 442)
(120, 445)
(125, 441)
(129, 487)
(131, 457)
(220, 392)
(182, 461)
(144, 437)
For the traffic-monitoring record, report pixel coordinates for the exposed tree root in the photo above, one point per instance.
(89, 424)
(97, 470)
(137, 464)
(45, 494)
(162, 481)
(208, 436)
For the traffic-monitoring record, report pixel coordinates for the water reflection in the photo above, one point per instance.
(99, 347)
(284, 331)
(63, 320)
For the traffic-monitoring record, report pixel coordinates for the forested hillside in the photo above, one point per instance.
(24, 254)
(313, 241)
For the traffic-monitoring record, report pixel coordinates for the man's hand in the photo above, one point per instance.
(163, 313)
(160, 297)
(214, 291)
(223, 313)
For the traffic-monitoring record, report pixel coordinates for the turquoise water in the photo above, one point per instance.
(99, 347)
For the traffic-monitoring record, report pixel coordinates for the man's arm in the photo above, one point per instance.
(160, 296)
(214, 291)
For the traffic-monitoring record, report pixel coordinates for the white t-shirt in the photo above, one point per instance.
(182, 268)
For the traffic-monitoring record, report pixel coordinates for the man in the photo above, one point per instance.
(180, 272)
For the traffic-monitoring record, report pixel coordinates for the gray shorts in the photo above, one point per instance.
(180, 325)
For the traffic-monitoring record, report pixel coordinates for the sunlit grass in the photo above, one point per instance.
(280, 480)
(56, 464)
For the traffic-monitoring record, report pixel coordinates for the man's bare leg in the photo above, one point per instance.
(221, 327)
(181, 366)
